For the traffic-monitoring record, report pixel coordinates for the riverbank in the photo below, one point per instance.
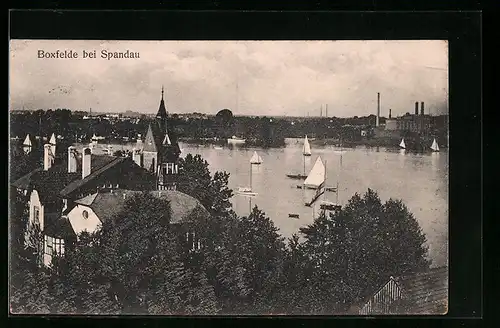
(373, 142)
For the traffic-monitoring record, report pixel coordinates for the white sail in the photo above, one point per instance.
(256, 159)
(317, 176)
(27, 141)
(307, 148)
(52, 140)
(435, 146)
(402, 144)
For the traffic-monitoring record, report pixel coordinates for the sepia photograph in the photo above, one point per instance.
(228, 177)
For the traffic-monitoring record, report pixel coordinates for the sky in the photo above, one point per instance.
(274, 78)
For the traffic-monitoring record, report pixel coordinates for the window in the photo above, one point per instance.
(170, 168)
(193, 244)
(54, 246)
(85, 214)
(58, 246)
(117, 186)
(36, 214)
(49, 246)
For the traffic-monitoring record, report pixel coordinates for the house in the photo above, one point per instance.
(53, 189)
(90, 212)
(79, 191)
(418, 293)
(159, 152)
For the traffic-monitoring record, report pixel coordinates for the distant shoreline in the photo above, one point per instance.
(374, 142)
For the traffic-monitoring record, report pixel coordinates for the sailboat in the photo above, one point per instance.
(402, 144)
(306, 151)
(316, 180)
(247, 191)
(27, 144)
(434, 145)
(256, 159)
(326, 205)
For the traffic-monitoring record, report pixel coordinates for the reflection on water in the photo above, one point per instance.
(420, 180)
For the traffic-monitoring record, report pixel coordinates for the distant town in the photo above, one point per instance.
(416, 126)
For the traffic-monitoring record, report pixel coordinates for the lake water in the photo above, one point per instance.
(420, 180)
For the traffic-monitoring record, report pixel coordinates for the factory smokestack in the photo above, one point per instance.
(416, 107)
(321, 111)
(389, 113)
(378, 109)
(422, 108)
(326, 110)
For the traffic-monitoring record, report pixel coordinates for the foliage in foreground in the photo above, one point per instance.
(139, 263)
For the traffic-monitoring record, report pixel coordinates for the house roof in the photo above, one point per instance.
(74, 185)
(57, 226)
(106, 205)
(24, 182)
(59, 171)
(426, 291)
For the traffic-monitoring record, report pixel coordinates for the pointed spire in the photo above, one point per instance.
(162, 111)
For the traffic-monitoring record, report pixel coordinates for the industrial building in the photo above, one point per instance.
(418, 122)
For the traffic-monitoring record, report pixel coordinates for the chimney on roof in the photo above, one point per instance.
(416, 107)
(422, 108)
(378, 109)
(86, 160)
(72, 159)
(136, 156)
(48, 157)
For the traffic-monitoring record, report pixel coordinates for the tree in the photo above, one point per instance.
(195, 180)
(28, 282)
(353, 252)
(244, 263)
(142, 261)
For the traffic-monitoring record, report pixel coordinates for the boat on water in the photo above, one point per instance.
(218, 148)
(435, 146)
(297, 176)
(235, 140)
(247, 191)
(329, 206)
(316, 180)
(293, 215)
(256, 159)
(306, 151)
(402, 144)
(27, 141)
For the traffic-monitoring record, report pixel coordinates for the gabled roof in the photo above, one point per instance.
(24, 182)
(57, 226)
(425, 292)
(152, 142)
(108, 204)
(57, 178)
(74, 185)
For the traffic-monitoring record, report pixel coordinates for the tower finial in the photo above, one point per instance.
(162, 91)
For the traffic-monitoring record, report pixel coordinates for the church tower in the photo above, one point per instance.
(161, 151)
